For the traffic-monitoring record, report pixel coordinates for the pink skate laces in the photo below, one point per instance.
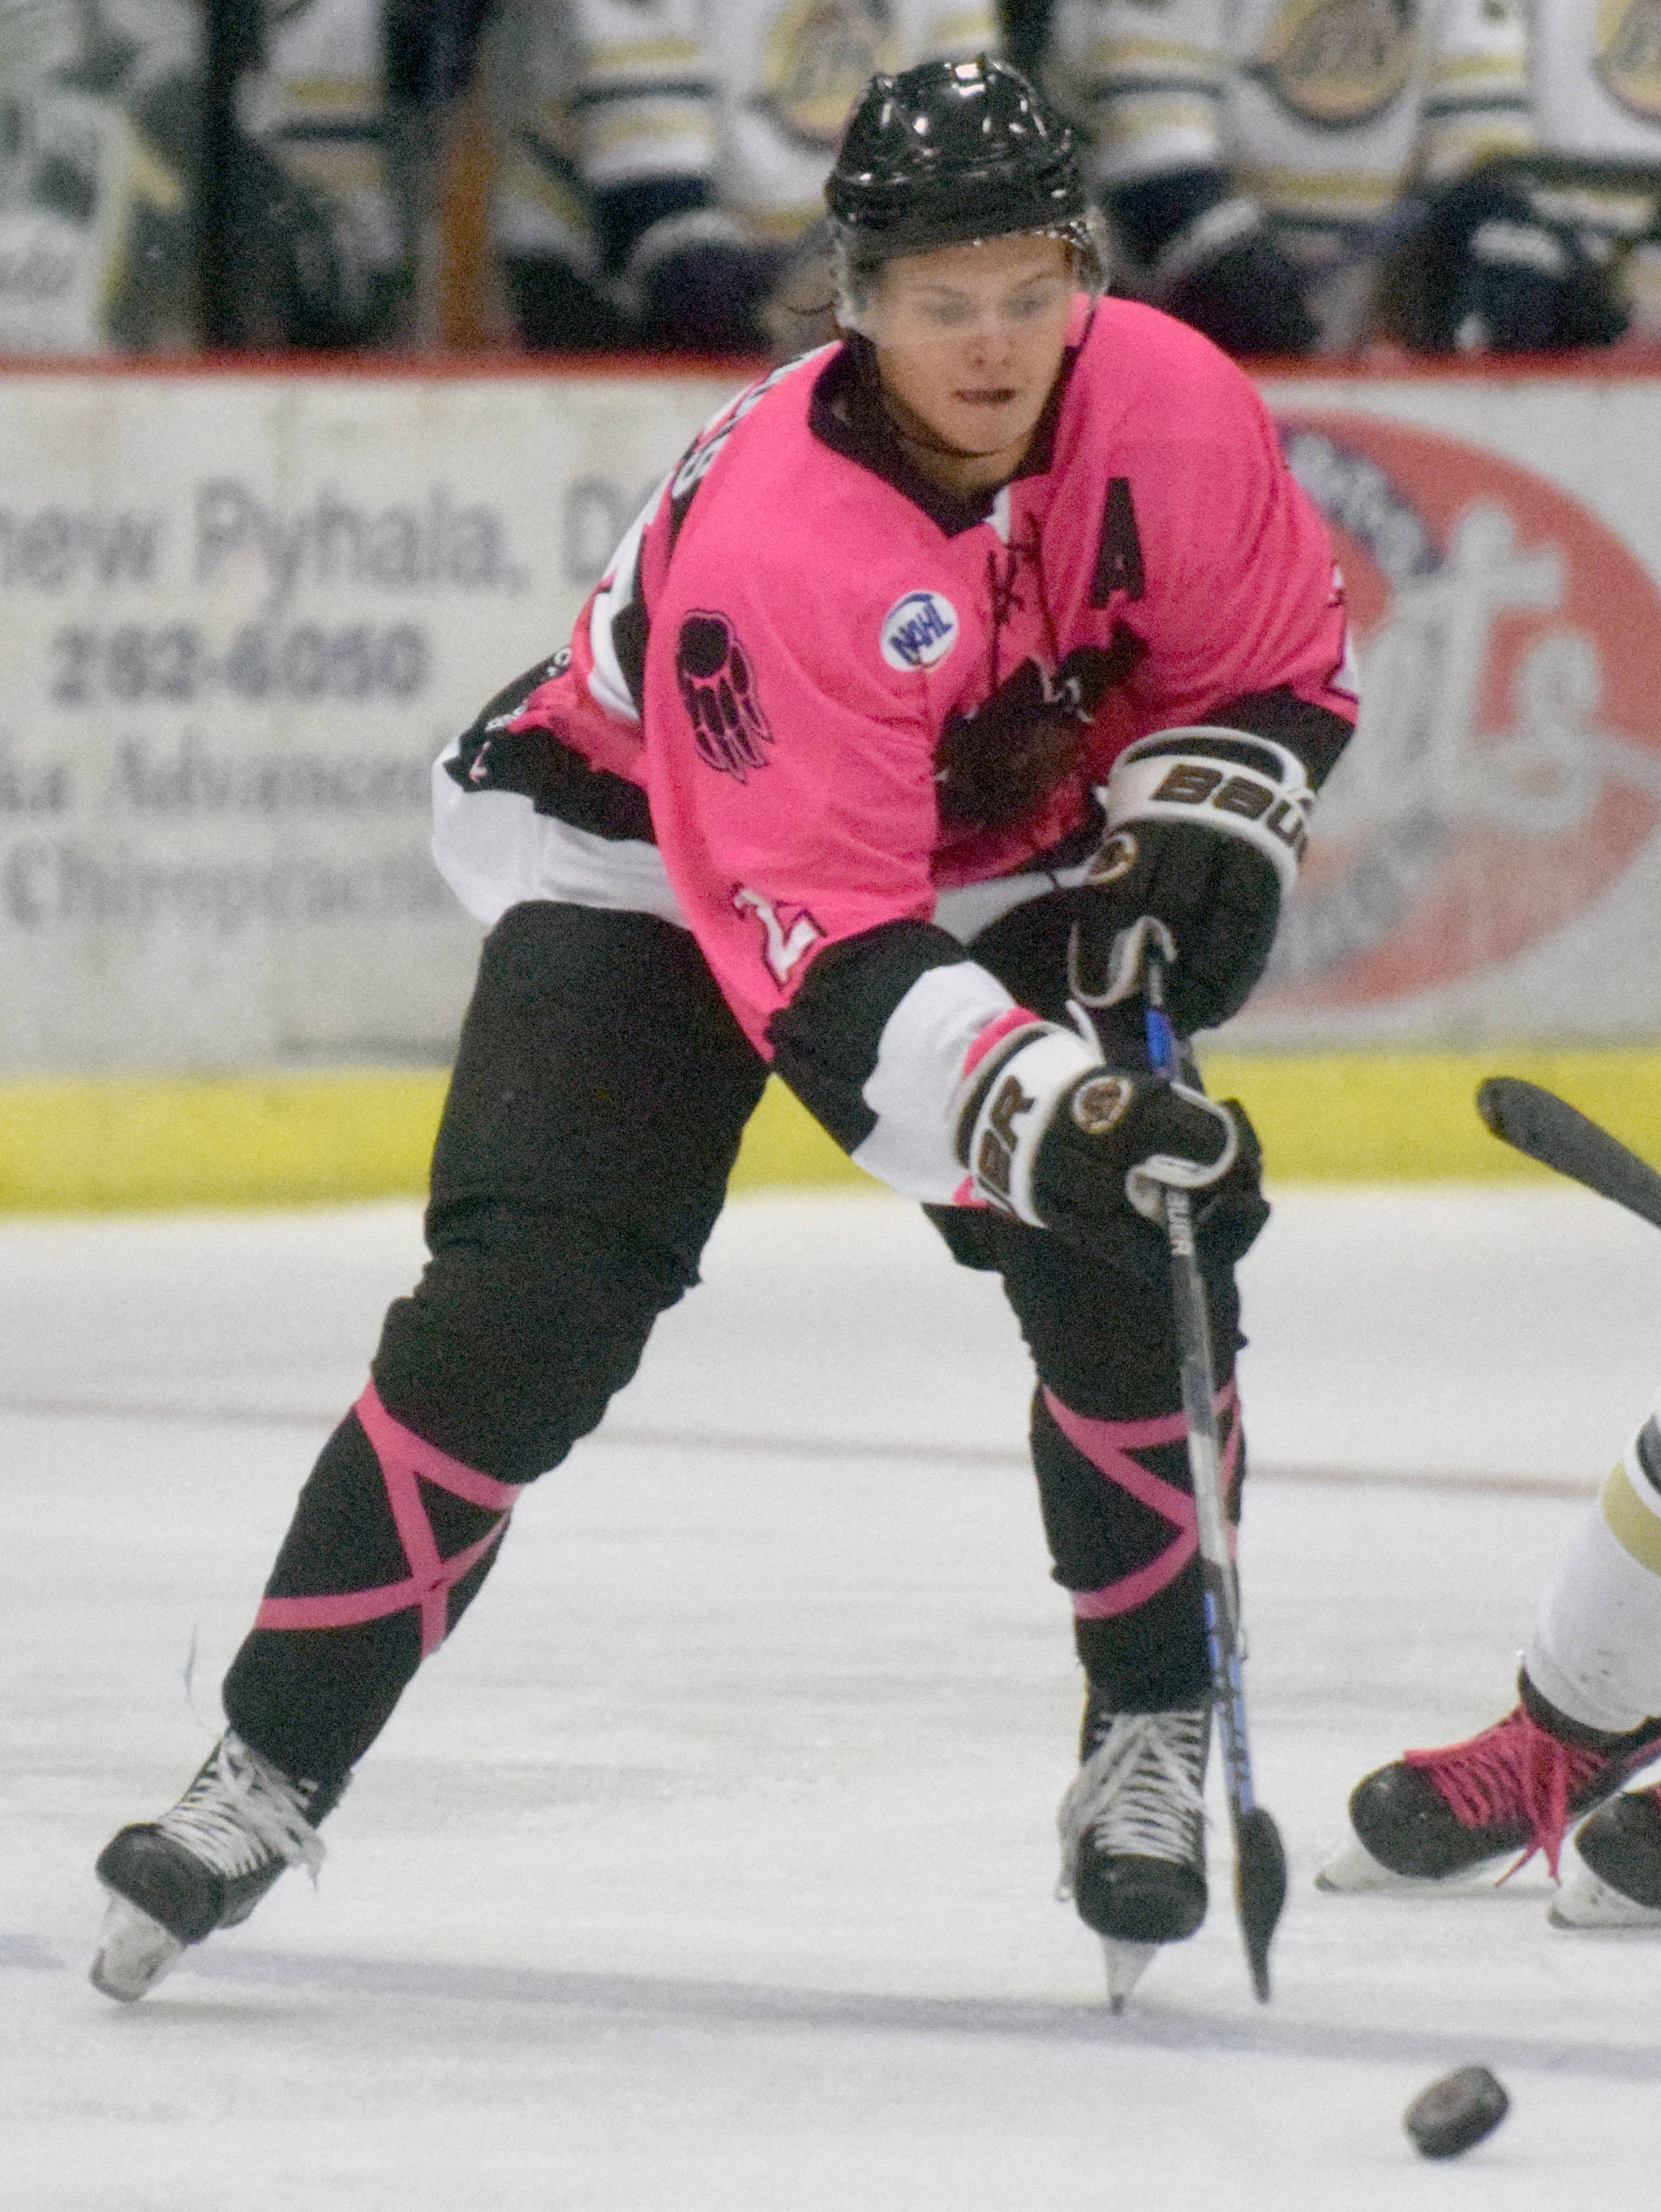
(406, 1462)
(1515, 1770)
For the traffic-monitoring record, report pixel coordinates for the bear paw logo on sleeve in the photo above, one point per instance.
(718, 686)
(919, 631)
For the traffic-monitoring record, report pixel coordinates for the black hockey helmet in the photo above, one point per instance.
(951, 151)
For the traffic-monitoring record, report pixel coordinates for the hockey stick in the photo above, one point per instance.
(1548, 1129)
(1259, 1854)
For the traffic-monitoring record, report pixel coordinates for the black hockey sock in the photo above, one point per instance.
(1120, 1512)
(390, 1542)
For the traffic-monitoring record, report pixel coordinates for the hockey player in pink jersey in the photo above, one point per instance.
(951, 661)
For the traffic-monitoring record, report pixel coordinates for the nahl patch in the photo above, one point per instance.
(919, 631)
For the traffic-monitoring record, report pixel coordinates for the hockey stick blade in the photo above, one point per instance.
(1259, 1890)
(1548, 1130)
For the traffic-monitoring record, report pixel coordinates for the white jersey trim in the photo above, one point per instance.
(919, 1065)
(607, 683)
(495, 851)
(965, 912)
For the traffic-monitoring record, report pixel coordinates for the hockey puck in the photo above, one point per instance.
(1455, 2112)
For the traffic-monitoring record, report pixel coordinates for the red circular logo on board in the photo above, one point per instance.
(1507, 766)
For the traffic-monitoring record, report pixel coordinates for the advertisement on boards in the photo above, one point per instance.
(1485, 863)
(243, 613)
(243, 616)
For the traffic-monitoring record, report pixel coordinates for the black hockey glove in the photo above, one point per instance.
(1208, 256)
(1206, 827)
(1052, 1137)
(696, 285)
(1228, 277)
(1488, 272)
(559, 307)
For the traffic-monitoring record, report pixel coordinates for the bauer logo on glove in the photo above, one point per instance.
(1205, 829)
(994, 1151)
(1259, 786)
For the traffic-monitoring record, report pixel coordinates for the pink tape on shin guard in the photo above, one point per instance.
(1107, 1445)
(404, 1457)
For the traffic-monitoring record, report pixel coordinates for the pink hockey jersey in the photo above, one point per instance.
(755, 700)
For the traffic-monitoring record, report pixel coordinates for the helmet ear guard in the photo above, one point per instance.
(946, 154)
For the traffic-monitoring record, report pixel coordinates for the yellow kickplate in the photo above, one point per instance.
(1388, 1117)
(104, 1143)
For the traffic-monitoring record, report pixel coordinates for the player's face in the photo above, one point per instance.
(968, 341)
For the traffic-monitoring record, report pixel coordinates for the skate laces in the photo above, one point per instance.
(1139, 1793)
(1514, 1771)
(241, 1812)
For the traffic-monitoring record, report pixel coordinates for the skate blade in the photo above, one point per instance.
(133, 1952)
(1353, 1866)
(1126, 1965)
(1586, 1900)
(1353, 1869)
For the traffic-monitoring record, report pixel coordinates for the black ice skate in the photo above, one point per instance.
(1133, 1834)
(1612, 1867)
(205, 1865)
(1484, 1807)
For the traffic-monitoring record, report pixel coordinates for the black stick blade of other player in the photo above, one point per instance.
(1549, 1130)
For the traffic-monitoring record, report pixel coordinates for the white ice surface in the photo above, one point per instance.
(710, 1867)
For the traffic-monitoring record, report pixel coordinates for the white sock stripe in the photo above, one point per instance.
(1594, 1652)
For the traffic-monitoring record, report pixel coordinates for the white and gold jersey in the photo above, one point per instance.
(589, 96)
(317, 103)
(1323, 109)
(94, 216)
(1597, 78)
(788, 72)
(749, 95)
(1597, 100)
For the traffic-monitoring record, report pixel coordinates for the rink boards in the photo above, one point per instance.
(244, 608)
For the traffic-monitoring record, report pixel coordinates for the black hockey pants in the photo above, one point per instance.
(599, 1095)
